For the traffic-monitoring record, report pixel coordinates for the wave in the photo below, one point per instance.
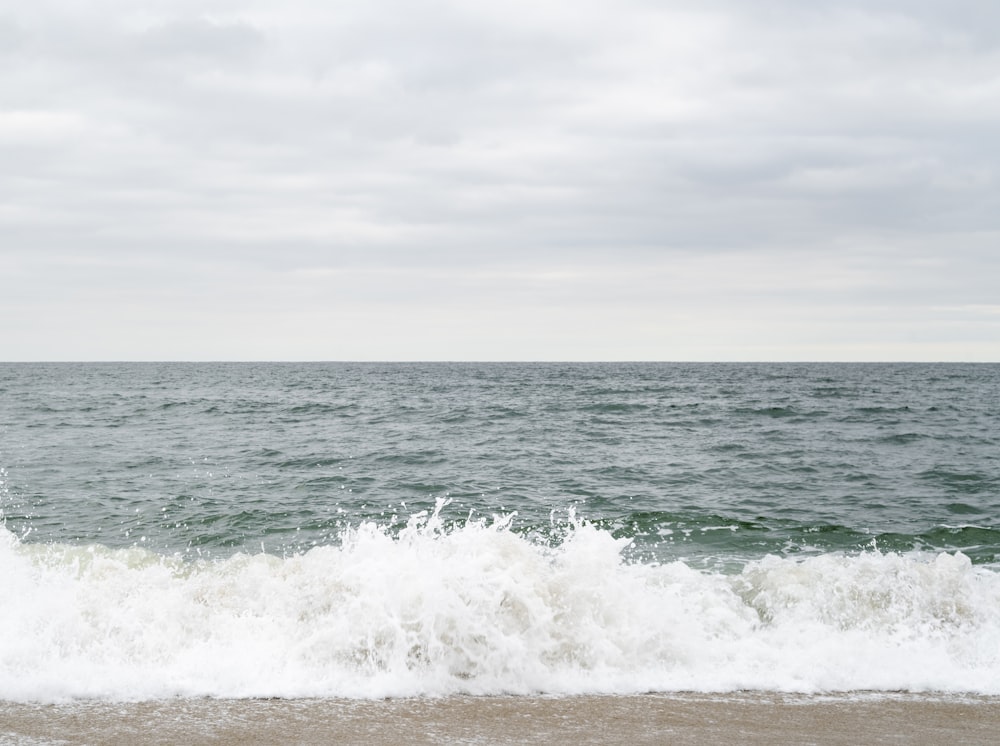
(476, 608)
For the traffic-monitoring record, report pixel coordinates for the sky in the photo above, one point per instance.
(527, 180)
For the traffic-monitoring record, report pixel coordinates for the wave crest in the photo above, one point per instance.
(476, 608)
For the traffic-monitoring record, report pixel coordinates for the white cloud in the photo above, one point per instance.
(590, 179)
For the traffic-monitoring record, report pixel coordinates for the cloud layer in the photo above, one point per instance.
(531, 180)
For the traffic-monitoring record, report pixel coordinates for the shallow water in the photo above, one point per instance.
(648, 719)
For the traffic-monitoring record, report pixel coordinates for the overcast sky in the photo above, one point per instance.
(517, 180)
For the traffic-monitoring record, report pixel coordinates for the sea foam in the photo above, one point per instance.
(477, 608)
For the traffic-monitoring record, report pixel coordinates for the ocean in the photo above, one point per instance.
(361, 531)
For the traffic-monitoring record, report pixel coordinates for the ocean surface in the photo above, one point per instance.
(370, 530)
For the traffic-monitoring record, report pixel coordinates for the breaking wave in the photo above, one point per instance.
(476, 608)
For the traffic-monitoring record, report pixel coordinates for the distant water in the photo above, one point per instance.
(261, 529)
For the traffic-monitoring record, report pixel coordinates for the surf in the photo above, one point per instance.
(473, 607)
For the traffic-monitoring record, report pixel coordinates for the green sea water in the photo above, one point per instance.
(374, 530)
(715, 464)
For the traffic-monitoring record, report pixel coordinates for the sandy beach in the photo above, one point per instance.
(749, 718)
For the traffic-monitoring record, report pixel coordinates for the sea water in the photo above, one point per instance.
(372, 530)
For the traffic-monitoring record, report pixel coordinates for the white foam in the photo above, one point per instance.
(481, 610)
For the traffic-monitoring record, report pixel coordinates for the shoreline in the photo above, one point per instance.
(743, 717)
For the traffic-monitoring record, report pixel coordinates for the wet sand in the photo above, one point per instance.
(750, 718)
